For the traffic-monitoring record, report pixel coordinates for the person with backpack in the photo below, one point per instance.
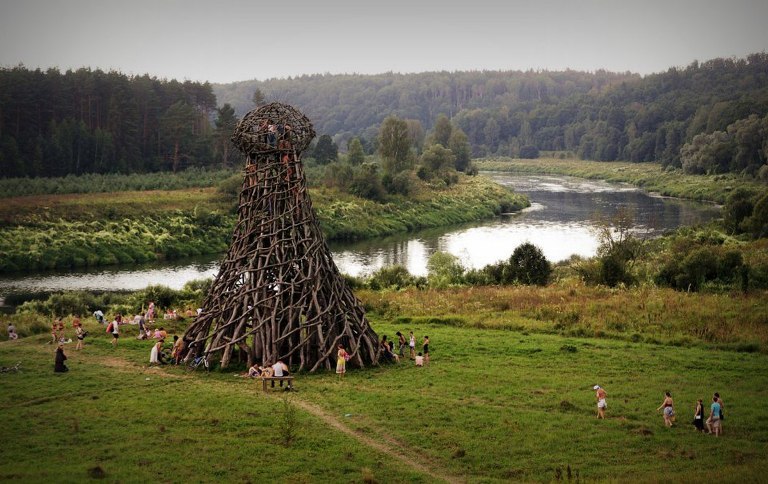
(113, 328)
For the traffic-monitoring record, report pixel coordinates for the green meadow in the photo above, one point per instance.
(493, 405)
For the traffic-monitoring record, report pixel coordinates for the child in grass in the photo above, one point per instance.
(341, 361)
(419, 360)
(425, 345)
(412, 344)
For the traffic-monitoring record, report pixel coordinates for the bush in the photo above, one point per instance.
(391, 277)
(444, 269)
(529, 266)
(529, 152)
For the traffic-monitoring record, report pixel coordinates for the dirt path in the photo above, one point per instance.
(392, 448)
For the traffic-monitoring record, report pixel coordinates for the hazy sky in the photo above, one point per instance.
(232, 40)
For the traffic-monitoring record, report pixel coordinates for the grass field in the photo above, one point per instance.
(493, 405)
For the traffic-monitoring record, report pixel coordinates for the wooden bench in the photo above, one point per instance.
(273, 379)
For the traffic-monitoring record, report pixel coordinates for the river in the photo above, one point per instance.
(562, 221)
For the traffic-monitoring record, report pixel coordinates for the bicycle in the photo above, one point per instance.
(11, 369)
(197, 362)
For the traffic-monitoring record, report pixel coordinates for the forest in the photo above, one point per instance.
(89, 121)
(708, 117)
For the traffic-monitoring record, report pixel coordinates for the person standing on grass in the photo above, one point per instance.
(80, 333)
(114, 329)
(425, 349)
(59, 359)
(156, 355)
(151, 311)
(412, 344)
(669, 411)
(55, 331)
(698, 416)
(401, 344)
(341, 361)
(600, 394)
(713, 422)
(12, 332)
(722, 406)
(99, 315)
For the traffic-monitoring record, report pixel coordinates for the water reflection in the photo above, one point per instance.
(561, 221)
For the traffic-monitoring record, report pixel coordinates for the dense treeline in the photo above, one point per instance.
(90, 121)
(355, 105)
(602, 116)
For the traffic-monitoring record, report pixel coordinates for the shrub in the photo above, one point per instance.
(444, 269)
(391, 277)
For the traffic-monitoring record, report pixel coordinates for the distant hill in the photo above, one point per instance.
(600, 115)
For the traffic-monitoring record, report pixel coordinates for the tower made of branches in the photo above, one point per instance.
(278, 293)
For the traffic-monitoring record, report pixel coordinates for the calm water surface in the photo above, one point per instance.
(562, 219)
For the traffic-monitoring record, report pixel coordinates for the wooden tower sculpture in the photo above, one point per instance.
(278, 293)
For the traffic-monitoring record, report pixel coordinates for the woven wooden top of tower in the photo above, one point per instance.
(278, 294)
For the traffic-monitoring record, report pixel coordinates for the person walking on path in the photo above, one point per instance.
(341, 361)
(698, 416)
(600, 394)
(669, 412)
(59, 359)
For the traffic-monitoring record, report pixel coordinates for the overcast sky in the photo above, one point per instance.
(233, 40)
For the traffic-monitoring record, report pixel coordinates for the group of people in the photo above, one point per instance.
(156, 354)
(712, 425)
(58, 334)
(388, 352)
(387, 349)
(278, 369)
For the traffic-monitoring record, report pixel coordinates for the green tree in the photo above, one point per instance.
(415, 134)
(618, 249)
(757, 223)
(395, 145)
(441, 134)
(258, 98)
(461, 149)
(529, 266)
(443, 270)
(177, 132)
(738, 206)
(355, 152)
(437, 159)
(225, 124)
(326, 150)
(366, 182)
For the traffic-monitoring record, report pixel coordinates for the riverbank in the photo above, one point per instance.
(100, 229)
(649, 176)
